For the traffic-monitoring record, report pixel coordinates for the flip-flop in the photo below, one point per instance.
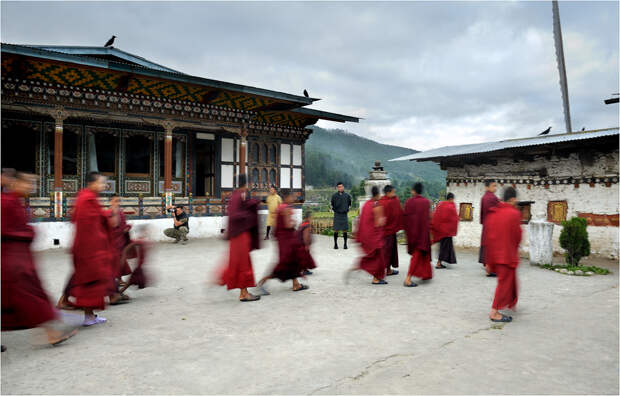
(252, 298)
(381, 282)
(491, 275)
(440, 266)
(120, 301)
(307, 272)
(96, 320)
(302, 287)
(394, 272)
(412, 284)
(65, 337)
(504, 318)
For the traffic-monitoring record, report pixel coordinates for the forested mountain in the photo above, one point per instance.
(334, 155)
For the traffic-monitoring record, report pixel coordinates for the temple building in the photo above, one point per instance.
(159, 135)
(556, 176)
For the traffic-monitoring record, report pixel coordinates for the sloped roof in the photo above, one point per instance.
(488, 147)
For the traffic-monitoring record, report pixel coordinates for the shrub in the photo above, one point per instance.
(574, 239)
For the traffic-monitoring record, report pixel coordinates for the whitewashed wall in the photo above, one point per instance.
(200, 227)
(598, 199)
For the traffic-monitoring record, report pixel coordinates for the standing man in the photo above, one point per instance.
(93, 253)
(488, 201)
(181, 225)
(501, 252)
(340, 204)
(273, 201)
(444, 226)
(370, 236)
(417, 227)
(393, 213)
(25, 304)
(242, 233)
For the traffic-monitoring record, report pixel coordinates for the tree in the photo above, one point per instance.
(574, 239)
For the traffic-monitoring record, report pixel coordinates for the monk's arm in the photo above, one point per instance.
(307, 237)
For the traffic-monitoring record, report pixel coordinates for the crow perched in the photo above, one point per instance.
(583, 129)
(306, 94)
(545, 132)
(110, 42)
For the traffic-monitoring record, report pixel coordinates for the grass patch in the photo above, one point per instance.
(596, 270)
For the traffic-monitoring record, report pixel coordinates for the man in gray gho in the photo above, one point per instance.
(181, 224)
(340, 204)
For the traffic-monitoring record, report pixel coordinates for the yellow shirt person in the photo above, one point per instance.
(273, 201)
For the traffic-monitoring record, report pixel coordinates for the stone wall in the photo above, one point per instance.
(598, 197)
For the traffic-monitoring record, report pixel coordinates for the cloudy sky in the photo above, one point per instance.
(422, 75)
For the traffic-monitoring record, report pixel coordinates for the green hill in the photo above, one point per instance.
(334, 155)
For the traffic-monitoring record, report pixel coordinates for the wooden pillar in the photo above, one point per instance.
(168, 127)
(242, 149)
(59, 115)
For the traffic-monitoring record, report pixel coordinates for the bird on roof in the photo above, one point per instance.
(306, 94)
(545, 132)
(110, 42)
(583, 129)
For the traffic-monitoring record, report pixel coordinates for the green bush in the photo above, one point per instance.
(574, 239)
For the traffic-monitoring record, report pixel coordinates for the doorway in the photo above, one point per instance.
(205, 168)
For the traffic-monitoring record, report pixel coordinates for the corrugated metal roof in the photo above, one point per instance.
(478, 148)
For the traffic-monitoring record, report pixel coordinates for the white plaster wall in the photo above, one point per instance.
(200, 227)
(598, 199)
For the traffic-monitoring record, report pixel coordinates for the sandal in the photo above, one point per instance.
(94, 321)
(381, 282)
(504, 318)
(251, 298)
(440, 266)
(302, 287)
(491, 275)
(65, 337)
(412, 284)
(394, 272)
(262, 291)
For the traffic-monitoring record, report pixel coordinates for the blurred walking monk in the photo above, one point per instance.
(273, 201)
(393, 213)
(370, 236)
(444, 226)
(340, 204)
(501, 249)
(488, 201)
(25, 304)
(417, 228)
(242, 233)
(94, 255)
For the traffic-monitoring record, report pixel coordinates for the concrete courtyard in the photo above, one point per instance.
(183, 336)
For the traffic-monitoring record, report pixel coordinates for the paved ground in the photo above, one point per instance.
(182, 337)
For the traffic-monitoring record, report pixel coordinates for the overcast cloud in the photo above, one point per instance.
(422, 75)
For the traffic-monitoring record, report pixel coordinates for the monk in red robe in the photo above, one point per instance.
(304, 235)
(94, 257)
(25, 304)
(444, 225)
(370, 237)
(242, 232)
(501, 242)
(120, 239)
(393, 213)
(138, 249)
(488, 201)
(290, 264)
(417, 228)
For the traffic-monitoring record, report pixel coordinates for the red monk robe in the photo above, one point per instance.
(370, 237)
(488, 201)
(304, 236)
(137, 249)
(120, 239)
(242, 232)
(502, 239)
(393, 213)
(417, 229)
(93, 253)
(24, 302)
(289, 263)
(444, 226)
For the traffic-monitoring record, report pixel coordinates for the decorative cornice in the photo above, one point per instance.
(546, 181)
